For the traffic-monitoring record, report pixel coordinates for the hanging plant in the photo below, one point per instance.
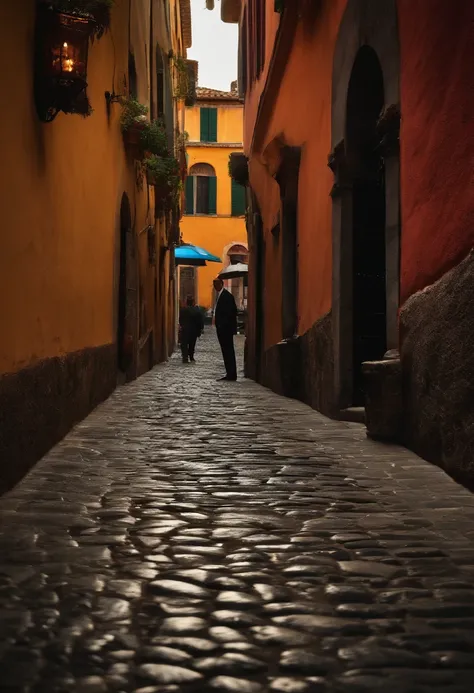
(133, 123)
(133, 112)
(184, 89)
(163, 173)
(182, 138)
(239, 168)
(154, 138)
(98, 11)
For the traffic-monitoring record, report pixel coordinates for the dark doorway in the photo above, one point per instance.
(288, 180)
(260, 296)
(132, 77)
(289, 255)
(365, 101)
(187, 284)
(126, 291)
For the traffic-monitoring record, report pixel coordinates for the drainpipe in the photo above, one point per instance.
(152, 52)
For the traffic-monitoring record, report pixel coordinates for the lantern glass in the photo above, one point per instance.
(69, 47)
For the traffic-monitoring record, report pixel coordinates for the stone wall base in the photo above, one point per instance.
(437, 359)
(40, 404)
(383, 400)
(302, 367)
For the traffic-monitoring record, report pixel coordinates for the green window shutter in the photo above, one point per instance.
(238, 199)
(212, 125)
(204, 112)
(189, 206)
(212, 195)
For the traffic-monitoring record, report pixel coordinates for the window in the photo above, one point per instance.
(201, 190)
(252, 43)
(260, 30)
(238, 200)
(238, 287)
(208, 124)
(160, 74)
(243, 59)
(132, 77)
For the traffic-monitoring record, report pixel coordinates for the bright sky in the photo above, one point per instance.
(215, 46)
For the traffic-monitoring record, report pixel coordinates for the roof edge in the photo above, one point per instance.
(186, 26)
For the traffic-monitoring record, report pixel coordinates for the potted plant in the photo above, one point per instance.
(154, 138)
(133, 122)
(163, 173)
(97, 11)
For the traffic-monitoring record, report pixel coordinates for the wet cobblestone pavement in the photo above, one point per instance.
(194, 536)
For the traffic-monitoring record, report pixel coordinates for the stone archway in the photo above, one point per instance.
(365, 77)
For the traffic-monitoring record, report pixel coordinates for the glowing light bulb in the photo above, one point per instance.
(64, 45)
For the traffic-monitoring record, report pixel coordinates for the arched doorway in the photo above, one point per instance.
(233, 255)
(127, 294)
(365, 101)
(366, 194)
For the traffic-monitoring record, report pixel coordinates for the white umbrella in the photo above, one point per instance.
(234, 271)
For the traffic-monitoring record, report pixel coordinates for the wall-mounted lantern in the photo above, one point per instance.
(62, 44)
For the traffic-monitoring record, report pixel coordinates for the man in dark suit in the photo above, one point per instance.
(225, 318)
(191, 324)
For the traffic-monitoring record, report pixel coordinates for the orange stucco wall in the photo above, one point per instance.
(229, 122)
(252, 97)
(61, 185)
(437, 142)
(214, 234)
(302, 113)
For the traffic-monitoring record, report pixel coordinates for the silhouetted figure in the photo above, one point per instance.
(225, 319)
(191, 324)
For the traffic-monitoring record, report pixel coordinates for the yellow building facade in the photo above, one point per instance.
(214, 211)
(87, 288)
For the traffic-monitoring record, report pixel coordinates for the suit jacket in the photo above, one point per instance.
(226, 313)
(191, 321)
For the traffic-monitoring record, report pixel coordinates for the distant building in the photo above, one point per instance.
(361, 284)
(214, 212)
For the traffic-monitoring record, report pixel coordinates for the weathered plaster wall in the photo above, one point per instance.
(61, 185)
(302, 114)
(437, 139)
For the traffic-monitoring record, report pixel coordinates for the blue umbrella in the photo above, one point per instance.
(187, 254)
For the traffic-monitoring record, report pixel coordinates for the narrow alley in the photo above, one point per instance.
(199, 536)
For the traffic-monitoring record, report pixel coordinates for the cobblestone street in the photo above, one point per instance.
(194, 536)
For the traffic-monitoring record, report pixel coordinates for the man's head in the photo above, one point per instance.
(218, 284)
(190, 301)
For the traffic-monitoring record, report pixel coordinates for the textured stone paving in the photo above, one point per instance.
(194, 536)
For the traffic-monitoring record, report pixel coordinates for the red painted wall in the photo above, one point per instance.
(437, 149)
(437, 138)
